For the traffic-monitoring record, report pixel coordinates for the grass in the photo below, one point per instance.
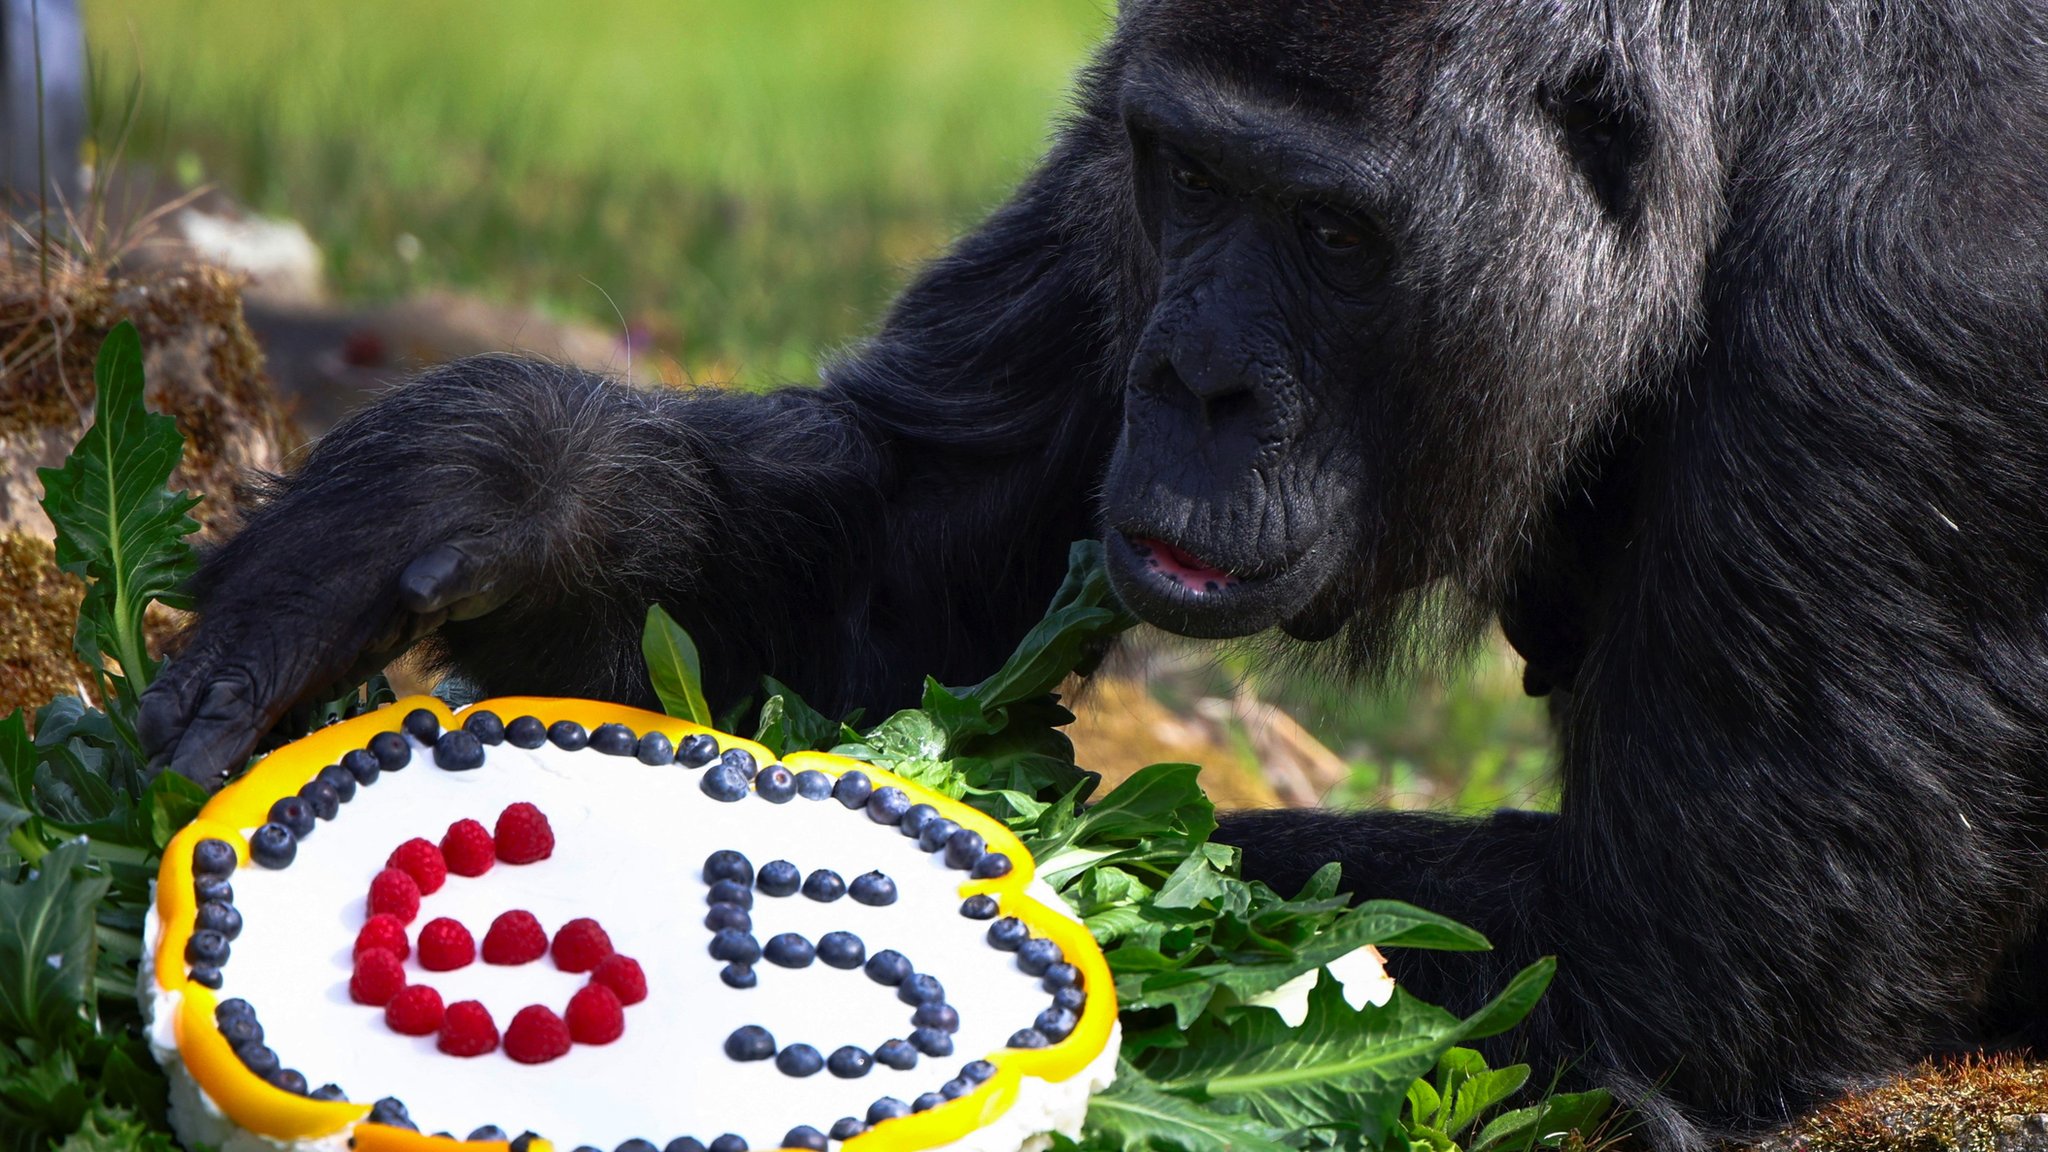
(745, 181)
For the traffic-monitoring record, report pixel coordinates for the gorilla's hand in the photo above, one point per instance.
(282, 622)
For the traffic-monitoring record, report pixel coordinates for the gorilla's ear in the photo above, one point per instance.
(1605, 134)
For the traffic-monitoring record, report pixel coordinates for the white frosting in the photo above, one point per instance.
(630, 840)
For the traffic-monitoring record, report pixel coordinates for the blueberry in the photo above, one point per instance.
(730, 892)
(887, 1108)
(233, 1008)
(273, 846)
(824, 886)
(789, 950)
(1054, 1023)
(728, 1143)
(1072, 999)
(955, 1088)
(750, 1042)
(568, 735)
(842, 950)
(614, 740)
(204, 975)
(339, 779)
(897, 1054)
(990, 866)
(927, 1102)
(1035, 956)
(295, 814)
(728, 916)
(812, 784)
(458, 751)
(215, 916)
(799, 1060)
(684, 1144)
(422, 725)
(739, 976)
(778, 878)
(329, 1092)
(853, 788)
(1008, 934)
(977, 1071)
(936, 833)
(740, 760)
(932, 1042)
(920, 990)
(775, 785)
(735, 945)
(485, 725)
(936, 1015)
(873, 889)
(915, 817)
(211, 857)
(849, 1063)
(214, 888)
(362, 764)
(392, 751)
(487, 1132)
(804, 1136)
(1061, 975)
(888, 967)
(1027, 1038)
(888, 805)
(526, 732)
(696, 750)
(258, 1058)
(979, 908)
(321, 797)
(241, 1030)
(655, 749)
(391, 1111)
(964, 848)
(726, 864)
(846, 1128)
(724, 783)
(290, 1079)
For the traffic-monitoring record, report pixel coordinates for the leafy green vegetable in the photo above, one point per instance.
(672, 664)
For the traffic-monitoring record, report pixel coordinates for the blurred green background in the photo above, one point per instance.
(745, 182)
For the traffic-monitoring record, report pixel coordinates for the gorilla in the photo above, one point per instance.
(1702, 346)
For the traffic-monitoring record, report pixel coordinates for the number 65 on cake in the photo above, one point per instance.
(560, 924)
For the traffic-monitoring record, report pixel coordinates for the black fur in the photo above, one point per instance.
(1705, 346)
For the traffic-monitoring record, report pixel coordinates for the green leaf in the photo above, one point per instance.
(672, 665)
(1132, 1117)
(46, 946)
(116, 525)
(1514, 1002)
(172, 800)
(1085, 616)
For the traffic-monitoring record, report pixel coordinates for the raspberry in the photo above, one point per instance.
(467, 1030)
(580, 945)
(419, 859)
(416, 1011)
(379, 976)
(621, 974)
(383, 931)
(394, 892)
(515, 938)
(445, 945)
(468, 849)
(524, 835)
(595, 1016)
(536, 1036)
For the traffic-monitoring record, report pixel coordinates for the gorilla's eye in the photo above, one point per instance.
(1334, 230)
(1188, 176)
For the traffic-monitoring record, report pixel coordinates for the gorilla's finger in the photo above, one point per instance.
(160, 717)
(226, 721)
(448, 575)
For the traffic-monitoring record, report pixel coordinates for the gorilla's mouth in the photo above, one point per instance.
(1175, 587)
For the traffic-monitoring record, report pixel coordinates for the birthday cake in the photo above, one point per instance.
(547, 923)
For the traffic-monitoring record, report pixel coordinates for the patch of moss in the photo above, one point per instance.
(1979, 1104)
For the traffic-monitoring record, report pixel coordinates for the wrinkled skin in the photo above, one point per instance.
(1700, 347)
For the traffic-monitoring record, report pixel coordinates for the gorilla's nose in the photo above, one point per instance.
(1221, 393)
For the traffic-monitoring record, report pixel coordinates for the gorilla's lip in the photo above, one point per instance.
(1171, 585)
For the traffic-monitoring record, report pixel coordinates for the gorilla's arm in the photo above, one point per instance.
(908, 517)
